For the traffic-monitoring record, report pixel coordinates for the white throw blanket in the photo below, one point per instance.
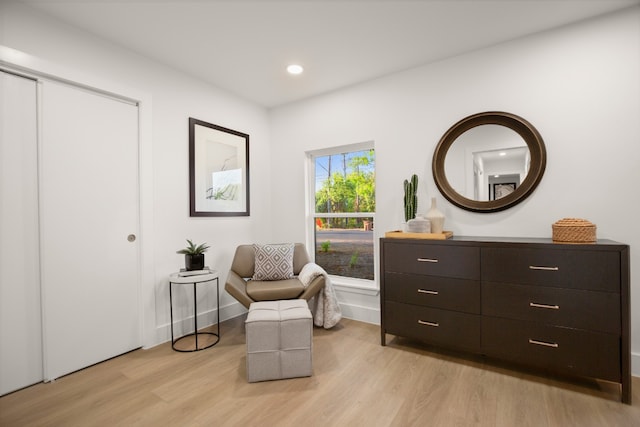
(326, 309)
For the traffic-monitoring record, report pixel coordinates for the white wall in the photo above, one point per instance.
(578, 85)
(174, 97)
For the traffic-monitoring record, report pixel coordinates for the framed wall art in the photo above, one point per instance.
(218, 170)
(503, 189)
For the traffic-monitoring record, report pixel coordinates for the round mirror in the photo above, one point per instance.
(489, 161)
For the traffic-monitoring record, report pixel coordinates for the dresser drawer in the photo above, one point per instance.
(433, 291)
(571, 351)
(460, 262)
(584, 269)
(432, 325)
(590, 310)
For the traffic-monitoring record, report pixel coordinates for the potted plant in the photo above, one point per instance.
(410, 198)
(194, 256)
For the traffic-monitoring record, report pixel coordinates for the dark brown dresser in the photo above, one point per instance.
(558, 307)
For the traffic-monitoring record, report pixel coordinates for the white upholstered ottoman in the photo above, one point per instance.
(279, 340)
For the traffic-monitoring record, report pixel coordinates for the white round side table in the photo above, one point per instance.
(176, 278)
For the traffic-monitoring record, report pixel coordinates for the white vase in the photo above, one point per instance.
(418, 225)
(435, 217)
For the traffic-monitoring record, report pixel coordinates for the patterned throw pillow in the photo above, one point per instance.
(273, 262)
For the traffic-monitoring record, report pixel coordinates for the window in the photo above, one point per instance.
(342, 209)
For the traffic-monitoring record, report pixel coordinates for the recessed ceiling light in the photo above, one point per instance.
(295, 69)
(503, 153)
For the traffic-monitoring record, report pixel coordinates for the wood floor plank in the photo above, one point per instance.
(355, 382)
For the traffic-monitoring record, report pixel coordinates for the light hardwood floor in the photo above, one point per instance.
(356, 382)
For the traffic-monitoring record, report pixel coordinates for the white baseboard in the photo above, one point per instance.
(349, 311)
(361, 313)
(232, 310)
(635, 364)
(185, 325)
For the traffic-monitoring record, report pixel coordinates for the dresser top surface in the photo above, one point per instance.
(530, 241)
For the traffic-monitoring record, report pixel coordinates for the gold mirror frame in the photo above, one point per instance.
(525, 129)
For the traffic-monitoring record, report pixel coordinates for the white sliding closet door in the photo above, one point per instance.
(89, 207)
(20, 321)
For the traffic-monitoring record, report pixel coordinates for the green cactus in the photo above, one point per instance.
(410, 198)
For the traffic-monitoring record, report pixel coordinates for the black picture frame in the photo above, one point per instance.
(502, 189)
(218, 170)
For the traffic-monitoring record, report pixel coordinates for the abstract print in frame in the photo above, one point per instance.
(218, 170)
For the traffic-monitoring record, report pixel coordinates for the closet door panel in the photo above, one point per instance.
(89, 207)
(20, 319)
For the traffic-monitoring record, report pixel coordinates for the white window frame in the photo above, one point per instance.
(352, 284)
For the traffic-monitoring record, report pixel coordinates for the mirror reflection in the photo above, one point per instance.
(487, 162)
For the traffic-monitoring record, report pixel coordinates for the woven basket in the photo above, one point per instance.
(574, 230)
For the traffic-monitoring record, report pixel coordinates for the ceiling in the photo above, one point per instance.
(244, 46)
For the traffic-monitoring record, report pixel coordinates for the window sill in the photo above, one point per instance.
(356, 286)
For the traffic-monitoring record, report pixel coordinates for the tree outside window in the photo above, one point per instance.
(344, 212)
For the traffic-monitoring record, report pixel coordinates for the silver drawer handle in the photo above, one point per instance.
(535, 267)
(425, 291)
(434, 324)
(551, 307)
(427, 260)
(544, 343)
